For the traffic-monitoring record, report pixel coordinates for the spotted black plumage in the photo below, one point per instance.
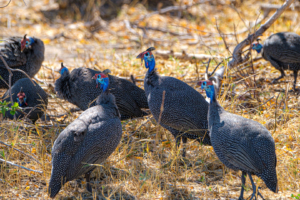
(79, 88)
(91, 138)
(36, 98)
(30, 60)
(185, 109)
(282, 50)
(241, 144)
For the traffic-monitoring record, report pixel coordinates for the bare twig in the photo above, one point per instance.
(264, 102)
(10, 70)
(276, 111)
(6, 4)
(160, 114)
(13, 164)
(162, 106)
(21, 152)
(206, 70)
(237, 53)
(223, 38)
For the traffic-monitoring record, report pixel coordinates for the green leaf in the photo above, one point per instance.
(16, 105)
(12, 112)
(2, 154)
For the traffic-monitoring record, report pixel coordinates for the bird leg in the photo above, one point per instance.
(184, 141)
(244, 175)
(254, 189)
(88, 185)
(280, 77)
(295, 79)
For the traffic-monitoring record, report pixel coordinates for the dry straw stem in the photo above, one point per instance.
(13, 164)
(237, 53)
(21, 152)
(160, 114)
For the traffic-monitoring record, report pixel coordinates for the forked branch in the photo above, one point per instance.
(237, 53)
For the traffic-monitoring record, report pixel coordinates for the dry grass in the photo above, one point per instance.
(146, 165)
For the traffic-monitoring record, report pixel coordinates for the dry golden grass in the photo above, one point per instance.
(147, 165)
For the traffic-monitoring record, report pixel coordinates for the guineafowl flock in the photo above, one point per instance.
(239, 143)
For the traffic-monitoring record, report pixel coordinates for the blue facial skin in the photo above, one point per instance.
(149, 62)
(257, 47)
(23, 103)
(209, 89)
(30, 42)
(63, 70)
(103, 82)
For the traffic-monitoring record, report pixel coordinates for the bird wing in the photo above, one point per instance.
(238, 148)
(185, 110)
(289, 56)
(101, 140)
(12, 53)
(238, 155)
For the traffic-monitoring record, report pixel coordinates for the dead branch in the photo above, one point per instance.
(270, 7)
(237, 53)
(6, 4)
(171, 9)
(21, 152)
(183, 55)
(13, 164)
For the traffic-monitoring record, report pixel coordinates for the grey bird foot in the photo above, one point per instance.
(258, 194)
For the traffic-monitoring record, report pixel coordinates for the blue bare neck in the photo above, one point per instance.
(150, 63)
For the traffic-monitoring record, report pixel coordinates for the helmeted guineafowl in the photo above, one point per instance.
(90, 139)
(25, 53)
(28, 96)
(282, 50)
(185, 110)
(240, 143)
(80, 89)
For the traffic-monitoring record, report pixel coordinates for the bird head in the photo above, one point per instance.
(257, 46)
(63, 69)
(103, 80)
(26, 42)
(208, 86)
(148, 58)
(21, 98)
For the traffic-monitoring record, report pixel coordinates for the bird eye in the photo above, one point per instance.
(147, 54)
(27, 42)
(204, 83)
(98, 76)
